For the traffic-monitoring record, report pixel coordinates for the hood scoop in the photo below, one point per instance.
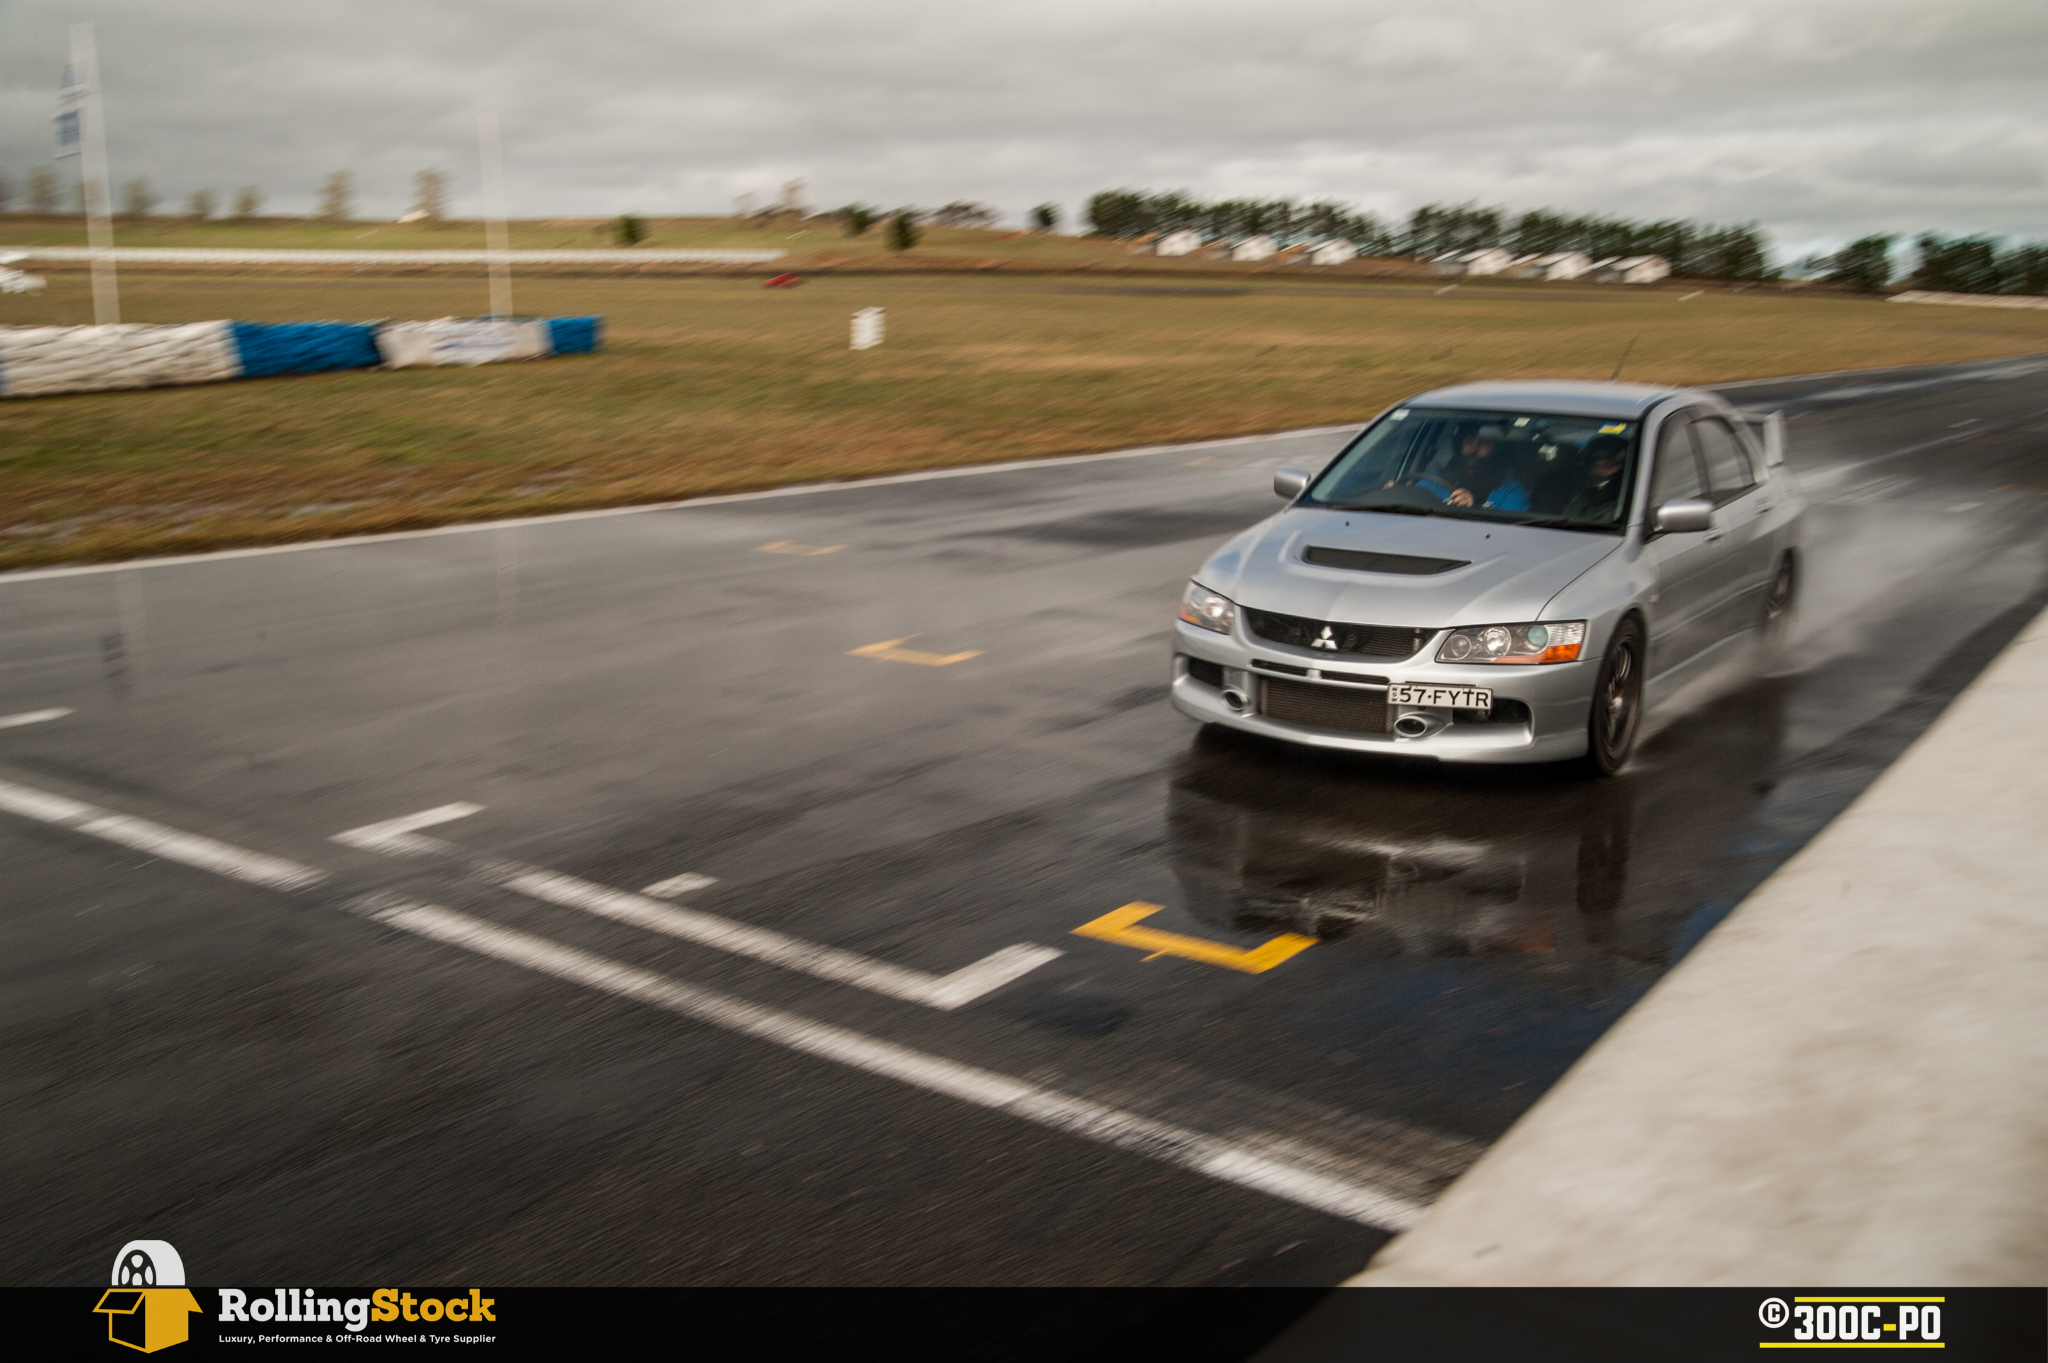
(1365, 561)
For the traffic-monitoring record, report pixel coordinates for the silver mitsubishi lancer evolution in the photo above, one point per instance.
(1499, 572)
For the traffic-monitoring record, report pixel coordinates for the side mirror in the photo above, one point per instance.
(1289, 483)
(1684, 515)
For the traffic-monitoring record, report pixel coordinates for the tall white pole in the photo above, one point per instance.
(99, 225)
(496, 238)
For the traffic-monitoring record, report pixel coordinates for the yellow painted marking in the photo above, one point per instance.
(887, 652)
(791, 547)
(1118, 927)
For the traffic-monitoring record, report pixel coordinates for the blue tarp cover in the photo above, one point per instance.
(576, 335)
(305, 347)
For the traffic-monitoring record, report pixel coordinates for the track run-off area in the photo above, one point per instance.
(815, 886)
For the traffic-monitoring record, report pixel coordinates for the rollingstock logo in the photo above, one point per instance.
(1852, 1322)
(300, 1306)
(149, 1306)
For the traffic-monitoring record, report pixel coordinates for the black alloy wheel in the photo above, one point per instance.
(1617, 701)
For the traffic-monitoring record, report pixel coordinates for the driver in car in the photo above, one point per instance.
(1476, 477)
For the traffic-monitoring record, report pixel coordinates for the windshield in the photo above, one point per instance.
(1568, 472)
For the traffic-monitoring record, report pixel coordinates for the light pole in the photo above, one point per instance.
(81, 132)
(492, 155)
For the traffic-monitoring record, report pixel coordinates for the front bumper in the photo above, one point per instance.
(1557, 698)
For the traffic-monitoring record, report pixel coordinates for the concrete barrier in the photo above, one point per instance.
(1845, 1083)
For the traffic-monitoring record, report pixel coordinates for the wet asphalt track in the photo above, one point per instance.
(292, 1090)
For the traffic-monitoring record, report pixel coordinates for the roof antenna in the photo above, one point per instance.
(1624, 357)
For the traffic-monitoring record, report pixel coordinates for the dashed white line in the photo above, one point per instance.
(1192, 1150)
(400, 837)
(158, 841)
(32, 717)
(676, 886)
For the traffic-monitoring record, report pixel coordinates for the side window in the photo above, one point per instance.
(1728, 470)
(1677, 473)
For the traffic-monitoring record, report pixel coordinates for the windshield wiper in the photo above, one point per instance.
(1566, 523)
(1391, 508)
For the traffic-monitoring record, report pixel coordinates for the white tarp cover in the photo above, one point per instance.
(454, 340)
(37, 360)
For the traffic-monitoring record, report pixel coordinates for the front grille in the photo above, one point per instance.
(1373, 641)
(1503, 712)
(1324, 707)
(1366, 561)
(1326, 673)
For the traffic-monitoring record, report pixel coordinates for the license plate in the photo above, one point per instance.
(1443, 697)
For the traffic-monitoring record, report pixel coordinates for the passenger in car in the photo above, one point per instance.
(1598, 497)
(1476, 477)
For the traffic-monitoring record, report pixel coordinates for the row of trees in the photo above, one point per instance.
(1131, 213)
(1976, 264)
(42, 192)
(1693, 249)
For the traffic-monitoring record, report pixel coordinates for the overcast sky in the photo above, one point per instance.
(1820, 120)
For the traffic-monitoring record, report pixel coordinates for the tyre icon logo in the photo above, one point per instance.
(1773, 1313)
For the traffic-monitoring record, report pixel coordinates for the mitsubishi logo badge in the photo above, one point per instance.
(1326, 641)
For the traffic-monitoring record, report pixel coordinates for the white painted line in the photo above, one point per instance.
(396, 837)
(1187, 1149)
(800, 490)
(393, 836)
(33, 717)
(677, 886)
(158, 841)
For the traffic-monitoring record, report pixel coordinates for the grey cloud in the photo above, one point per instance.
(1821, 120)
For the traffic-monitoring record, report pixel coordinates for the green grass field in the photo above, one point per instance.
(715, 385)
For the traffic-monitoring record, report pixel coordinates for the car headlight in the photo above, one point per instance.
(1200, 606)
(1557, 642)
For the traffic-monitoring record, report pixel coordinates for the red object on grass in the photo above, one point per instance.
(784, 281)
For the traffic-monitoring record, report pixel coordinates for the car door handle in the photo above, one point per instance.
(1716, 535)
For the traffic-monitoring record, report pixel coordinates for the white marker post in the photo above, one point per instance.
(496, 239)
(867, 329)
(81, 132)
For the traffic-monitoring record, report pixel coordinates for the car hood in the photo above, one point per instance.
(1510, 572)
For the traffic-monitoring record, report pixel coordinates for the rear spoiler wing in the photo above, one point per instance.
(1769, 430)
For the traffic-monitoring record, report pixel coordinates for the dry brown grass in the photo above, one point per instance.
(717, 385)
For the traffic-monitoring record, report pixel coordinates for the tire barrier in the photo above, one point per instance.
(35, 361)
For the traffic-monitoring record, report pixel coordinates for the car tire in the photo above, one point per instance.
(1616, 714)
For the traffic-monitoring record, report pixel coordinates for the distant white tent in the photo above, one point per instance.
(1335, 251)
(1631, 270)
(1555, 265)
(1185, 242)
(1488, 260)
(1258, 247)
